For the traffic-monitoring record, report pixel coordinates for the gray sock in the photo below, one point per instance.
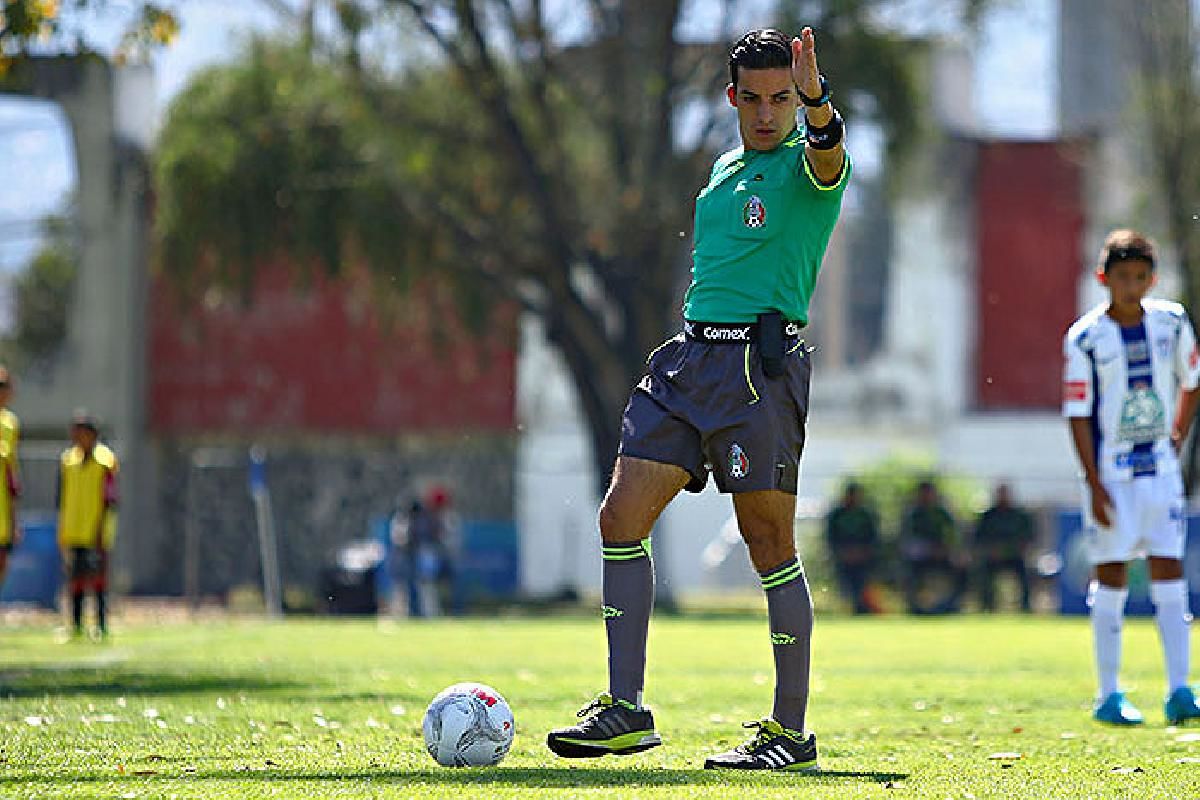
(628, 598)
(790, 612)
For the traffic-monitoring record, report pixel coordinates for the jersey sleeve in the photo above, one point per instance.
(1079, 391)
(1187, 357)
(832, 191)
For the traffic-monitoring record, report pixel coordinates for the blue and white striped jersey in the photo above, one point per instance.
(1127, 380)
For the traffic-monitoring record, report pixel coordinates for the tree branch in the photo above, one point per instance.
(499, 105)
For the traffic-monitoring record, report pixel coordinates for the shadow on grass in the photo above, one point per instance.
(541, 777)
(37, 681)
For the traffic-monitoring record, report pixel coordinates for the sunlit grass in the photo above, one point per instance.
(902, 708)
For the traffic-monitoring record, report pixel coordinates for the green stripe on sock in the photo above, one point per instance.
(624, 556)
(626, 552)
(782, 575)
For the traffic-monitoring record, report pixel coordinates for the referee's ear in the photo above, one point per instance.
(731, 93)
(1102, 277)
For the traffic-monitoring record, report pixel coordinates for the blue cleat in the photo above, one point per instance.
(1116, 710)
(1181, 706)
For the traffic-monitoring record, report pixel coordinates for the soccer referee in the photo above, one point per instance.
(729, 395)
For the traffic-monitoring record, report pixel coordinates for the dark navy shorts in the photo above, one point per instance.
(709, 407)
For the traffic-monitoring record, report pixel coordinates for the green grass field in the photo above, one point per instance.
(247, 709)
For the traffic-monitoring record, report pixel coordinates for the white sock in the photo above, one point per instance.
(1108, 616)
(1171, 613)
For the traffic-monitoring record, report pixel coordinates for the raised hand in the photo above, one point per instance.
(804, 63)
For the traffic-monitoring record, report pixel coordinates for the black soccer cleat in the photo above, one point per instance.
(772, 747)
(609, 727)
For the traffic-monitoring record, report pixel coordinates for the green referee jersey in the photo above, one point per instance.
(762, 225)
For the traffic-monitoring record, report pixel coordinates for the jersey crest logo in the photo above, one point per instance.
(739, 462)
(754, 213)
(1143, 418)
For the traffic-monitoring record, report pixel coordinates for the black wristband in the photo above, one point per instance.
(828, 136)
(817, 102)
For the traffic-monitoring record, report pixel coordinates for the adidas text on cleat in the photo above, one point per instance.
(1181, 706)
(609, 727)
(772, 747)
(1116, 710)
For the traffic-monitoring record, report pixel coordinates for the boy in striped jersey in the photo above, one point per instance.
(1130, 394)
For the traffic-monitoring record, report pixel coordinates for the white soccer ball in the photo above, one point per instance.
(468, 725)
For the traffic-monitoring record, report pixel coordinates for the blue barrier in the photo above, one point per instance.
(1075, 572)
(488, 565)
(379, 529)
(35, 565)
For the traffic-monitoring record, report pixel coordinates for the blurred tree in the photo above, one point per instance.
(492, 149)
(41, 299)
(264, 158)
(1167, 47)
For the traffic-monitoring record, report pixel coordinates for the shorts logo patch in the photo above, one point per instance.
(739, 462)
(1075, 390)
(754, 213)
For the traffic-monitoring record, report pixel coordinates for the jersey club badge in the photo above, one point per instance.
(739, 462)
(1143, 418)
(754, 213)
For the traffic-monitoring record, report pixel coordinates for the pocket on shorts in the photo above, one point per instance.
(664, 361)
(799, 375)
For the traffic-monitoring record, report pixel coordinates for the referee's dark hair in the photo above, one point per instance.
(762, 49)
(1125, 244)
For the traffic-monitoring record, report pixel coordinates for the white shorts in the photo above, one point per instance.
(1147, 519)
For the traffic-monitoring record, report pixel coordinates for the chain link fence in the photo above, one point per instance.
(324, 495)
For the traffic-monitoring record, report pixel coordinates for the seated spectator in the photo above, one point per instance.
(929, 546)
(852, 534)
(1003, 536)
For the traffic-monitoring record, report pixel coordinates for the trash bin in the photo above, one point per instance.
(348, 585)
(34, 566)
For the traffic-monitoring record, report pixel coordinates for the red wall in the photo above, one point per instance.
(1030, 219)
(318, 360)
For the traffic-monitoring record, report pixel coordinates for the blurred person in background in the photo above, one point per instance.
(422, 537)
(1131, 385)
(1003, 536)
(852, 535)
(399, 570)
(728, 397)
(929, 547)
(440, 502)
(87, 517)
(10, 484)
